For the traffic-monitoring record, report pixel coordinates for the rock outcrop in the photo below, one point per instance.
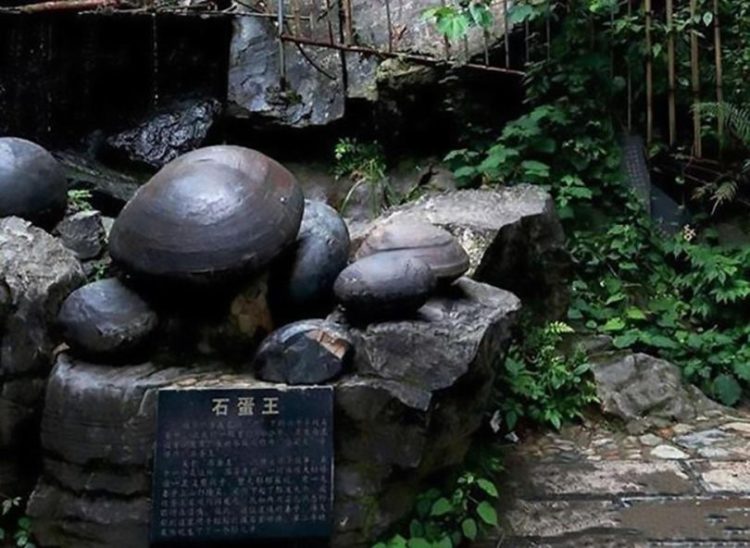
(36, 274)
(645, 391)
(512, 234)
(316, 81)
(162, 137)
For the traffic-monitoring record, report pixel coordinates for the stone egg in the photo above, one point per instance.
(106, 318)
(305, 277)
(384, 285)
(214, 214)
(304, 352)
(435, 246)
(32, 183)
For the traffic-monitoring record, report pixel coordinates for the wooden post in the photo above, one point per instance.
(630, 79)
(672, 77)
(719, 74)
(649, 77)
(695, 66)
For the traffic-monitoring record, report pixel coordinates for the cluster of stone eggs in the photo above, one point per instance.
(223, 214)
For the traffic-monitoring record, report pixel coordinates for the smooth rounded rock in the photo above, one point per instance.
(32, 183)
(215, 213)
(384, 285)
(306, 276)
(304, 352)
(435, 246)
(106, 318)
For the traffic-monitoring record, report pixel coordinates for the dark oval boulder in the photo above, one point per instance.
(305, 277)
(304, 352)
(435, 246)
(32, 183)
(215, 213)
(384, 285)
(106, 318)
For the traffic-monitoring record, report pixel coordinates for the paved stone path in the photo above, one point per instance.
(686, 485)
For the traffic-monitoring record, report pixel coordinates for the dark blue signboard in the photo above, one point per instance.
(236, 465)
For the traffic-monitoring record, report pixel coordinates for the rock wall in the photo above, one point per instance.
(36, 274)
(320, 80)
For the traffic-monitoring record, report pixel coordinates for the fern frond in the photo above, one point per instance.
(736, 119)
(725, 192)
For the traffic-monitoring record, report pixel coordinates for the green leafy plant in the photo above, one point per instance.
(454, 21)
(446, 520)
(365, 164)
(727, 181)
(15, 529)
(541, 382)
(80, 200)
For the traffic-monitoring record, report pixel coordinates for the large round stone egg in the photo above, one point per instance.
(208, 216)
(304, 278)
(106, 318)
(384, 286)
(32, 183)
(435, 246)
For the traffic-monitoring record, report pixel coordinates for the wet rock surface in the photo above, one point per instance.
(683, 485)
(37, 273)
(512, 235)
(383, 286)
(163, 136)
(106, 318)
(305, 352)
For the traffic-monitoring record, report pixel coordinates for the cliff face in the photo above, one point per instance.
(63, 75)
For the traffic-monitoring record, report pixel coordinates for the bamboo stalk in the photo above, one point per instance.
(527, 41)
(672, 76)
(719, 73)
(695, 69)
(630, 80)
(649, 77)
(548, 29)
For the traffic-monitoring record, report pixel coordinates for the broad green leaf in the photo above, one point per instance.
(488, 487)
(727, 389)
(487, 512)
(469, 528)
(441, 507)
(613, 325)
(418, 543)
(444, 542)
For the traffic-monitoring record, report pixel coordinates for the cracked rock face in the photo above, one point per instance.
(401, 416)
(312, 97)
(36, 274)
(642, 388)
(161, 138)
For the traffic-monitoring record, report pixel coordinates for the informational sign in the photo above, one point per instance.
(234, 465)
